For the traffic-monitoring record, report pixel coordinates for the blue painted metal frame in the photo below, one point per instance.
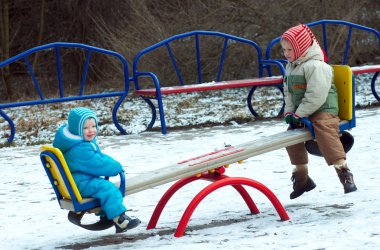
(24, 56)
(196, 34)
(77, 205)
(323, 23)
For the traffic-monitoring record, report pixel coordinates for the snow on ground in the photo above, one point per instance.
(324, 218)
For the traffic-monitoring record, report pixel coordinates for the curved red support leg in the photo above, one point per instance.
(244, 194)
(179, 184)
(166, 197)
(221, 183)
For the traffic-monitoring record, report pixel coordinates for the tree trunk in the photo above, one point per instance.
(5, 72)
(42, 24)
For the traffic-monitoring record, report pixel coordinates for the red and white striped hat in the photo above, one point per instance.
(300, 37)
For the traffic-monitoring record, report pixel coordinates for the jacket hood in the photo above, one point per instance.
(64, 139)
(78, 117)
(314, 52)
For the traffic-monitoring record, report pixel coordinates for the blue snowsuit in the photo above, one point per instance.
(87, 163)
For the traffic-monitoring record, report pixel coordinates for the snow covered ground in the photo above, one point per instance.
(324, 218)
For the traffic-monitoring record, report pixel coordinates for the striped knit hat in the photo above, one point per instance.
(301, 38)
(77, 119)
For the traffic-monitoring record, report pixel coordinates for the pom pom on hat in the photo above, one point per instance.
(300, 37)
(77, 119)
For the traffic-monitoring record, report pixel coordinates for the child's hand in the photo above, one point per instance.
(291, 117)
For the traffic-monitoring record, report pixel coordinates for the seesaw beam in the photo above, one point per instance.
(187, 170)
(215, 159)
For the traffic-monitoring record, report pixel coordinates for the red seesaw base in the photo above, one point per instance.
(218, 181)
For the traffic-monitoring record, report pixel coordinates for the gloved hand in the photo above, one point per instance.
(291, 117)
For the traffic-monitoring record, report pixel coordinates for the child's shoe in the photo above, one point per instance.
(346, 178)
(124, 223)
(301, 183)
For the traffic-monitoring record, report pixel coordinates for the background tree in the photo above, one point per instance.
(5, 73)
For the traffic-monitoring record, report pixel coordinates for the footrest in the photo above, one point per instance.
(102, 224)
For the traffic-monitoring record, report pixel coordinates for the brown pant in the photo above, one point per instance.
(326, 129)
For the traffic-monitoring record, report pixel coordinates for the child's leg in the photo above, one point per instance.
(109, 195)
(297, 154)
(111, 202)
(326, 129)
(301, 180)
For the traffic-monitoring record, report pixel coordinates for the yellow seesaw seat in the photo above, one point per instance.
(344, 83)
(60, 171)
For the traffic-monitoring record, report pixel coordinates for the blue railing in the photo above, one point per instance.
(195, 35)
(62, 98)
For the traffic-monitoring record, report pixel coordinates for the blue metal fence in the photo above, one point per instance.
(62, 97)
(196, 35)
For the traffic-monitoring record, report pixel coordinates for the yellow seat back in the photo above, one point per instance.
(56, 174)
(343, 83)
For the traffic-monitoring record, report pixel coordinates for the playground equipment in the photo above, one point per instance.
(210, 166)
(227, 43)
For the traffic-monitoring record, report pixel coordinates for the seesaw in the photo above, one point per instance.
(210, 167)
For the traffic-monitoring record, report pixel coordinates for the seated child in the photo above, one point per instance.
(77, 141)
(310, 92)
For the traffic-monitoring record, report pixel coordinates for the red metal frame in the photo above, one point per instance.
(365, 69)
(262, 81)
(218, 181)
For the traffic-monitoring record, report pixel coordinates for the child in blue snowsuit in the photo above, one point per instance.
(77, 141)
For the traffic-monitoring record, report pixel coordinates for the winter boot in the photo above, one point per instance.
(124, 223)
(345, 177)
(301, 181)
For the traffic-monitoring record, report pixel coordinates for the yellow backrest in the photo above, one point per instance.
(56, 174)
(343, 83)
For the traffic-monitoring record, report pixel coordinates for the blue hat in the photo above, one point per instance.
(77, 119)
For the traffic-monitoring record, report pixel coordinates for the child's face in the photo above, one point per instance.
(288, 51)
(89, 129)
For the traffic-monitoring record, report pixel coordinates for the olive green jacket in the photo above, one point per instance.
(308, 85)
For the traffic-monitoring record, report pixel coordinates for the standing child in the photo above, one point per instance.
(77, 141)
(310, 92)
